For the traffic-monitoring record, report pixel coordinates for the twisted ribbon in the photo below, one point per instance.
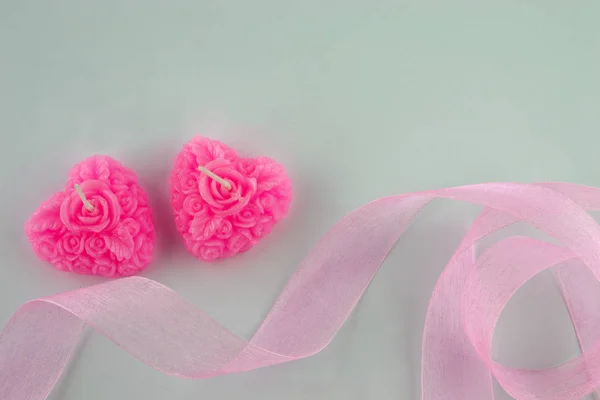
(156, 325)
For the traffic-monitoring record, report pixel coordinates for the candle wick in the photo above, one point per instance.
(84, 199)
(214, 176)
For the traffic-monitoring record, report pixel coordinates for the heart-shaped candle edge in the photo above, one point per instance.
(216, 221)
(115, 239)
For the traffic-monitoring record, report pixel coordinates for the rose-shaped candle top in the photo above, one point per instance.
(101, 224)
(224, 199)
(225, 204)
(102, 214)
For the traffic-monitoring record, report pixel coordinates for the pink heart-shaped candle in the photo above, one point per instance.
(224, 204)
(101, 224)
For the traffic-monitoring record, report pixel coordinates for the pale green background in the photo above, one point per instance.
(359, 99)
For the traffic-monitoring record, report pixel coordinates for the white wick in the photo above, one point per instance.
(214, 176)
(86, 203)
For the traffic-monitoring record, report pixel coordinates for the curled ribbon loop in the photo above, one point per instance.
(156, 325)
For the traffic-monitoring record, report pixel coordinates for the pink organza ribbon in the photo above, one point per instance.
(156, 325)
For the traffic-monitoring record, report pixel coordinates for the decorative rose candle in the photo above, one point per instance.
(101, 224)
(225, 204)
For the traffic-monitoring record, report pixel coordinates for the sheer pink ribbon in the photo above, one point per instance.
(156, 325)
